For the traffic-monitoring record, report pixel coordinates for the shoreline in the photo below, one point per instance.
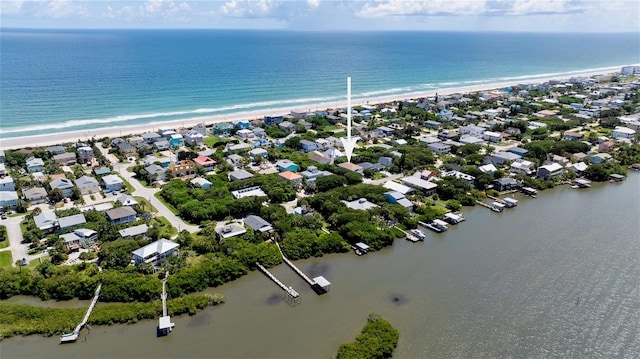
(111, 132)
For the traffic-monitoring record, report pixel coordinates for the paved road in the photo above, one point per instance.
(382, 181)
(17, 248)
(148, 193)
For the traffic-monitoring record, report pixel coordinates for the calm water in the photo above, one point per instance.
(59, 80)
(495, 286)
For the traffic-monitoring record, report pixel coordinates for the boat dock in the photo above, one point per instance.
(437, 225)
(492, 206)
(164, 323)
(529, 191)
(72, 337)
(319, 284)
(292, 296)
(415, 235)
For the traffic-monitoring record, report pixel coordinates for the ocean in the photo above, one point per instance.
(53, 81)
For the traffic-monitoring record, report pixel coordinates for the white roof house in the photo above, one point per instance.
(419, 183)
(360, 204)
(398, 187)
(134, 231)
(154, 252)
(255, 191)
(45, 220)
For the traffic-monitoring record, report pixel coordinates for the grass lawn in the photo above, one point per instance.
(6, 260)
(397, 233)
(144, 204)
(35, 262)
(4, 244)
(212, 140)
(330, 128)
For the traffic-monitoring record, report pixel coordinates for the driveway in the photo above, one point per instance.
(17, 248)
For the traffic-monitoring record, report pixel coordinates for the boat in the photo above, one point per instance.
(68, 338)
(418, 234)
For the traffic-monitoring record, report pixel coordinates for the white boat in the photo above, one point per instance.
(418, 234)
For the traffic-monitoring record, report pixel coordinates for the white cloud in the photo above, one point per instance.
(530, 7)
(11, 6)
(313, 3)
(64, 9)
(247, 8)
(424, 8)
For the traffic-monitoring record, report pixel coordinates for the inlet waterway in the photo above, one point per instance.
(557, 276)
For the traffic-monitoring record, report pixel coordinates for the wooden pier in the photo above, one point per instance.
(293, 297)
(319, 284)
(488, 206)
(164, 323)
(72, 337)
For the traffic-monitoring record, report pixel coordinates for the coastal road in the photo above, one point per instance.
(18, 249)
(148, 193)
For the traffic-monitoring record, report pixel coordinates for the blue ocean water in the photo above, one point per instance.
(61, 80)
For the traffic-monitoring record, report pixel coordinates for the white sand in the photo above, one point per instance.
(112, 132)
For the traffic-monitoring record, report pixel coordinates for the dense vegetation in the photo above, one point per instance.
(377, 341)
(24, 319)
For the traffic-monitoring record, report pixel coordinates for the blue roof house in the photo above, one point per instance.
(286, 165)
(308, 146)
(242, 124)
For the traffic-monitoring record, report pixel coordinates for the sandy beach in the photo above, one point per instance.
(84, 135)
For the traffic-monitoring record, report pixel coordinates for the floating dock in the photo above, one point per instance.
(436, 225)
(491, 206)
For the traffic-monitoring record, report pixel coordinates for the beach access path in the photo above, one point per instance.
(147, 193)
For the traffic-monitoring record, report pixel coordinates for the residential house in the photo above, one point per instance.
(533, 125)
(506, 184)
(56, 150)
(286, 165)
(397, 187)
(134, 231)
(35, 195)
(221, 128)
(9, 199)
(127, 150)
(46, 221)
(427, 188)
(161, 145)
(176, 140)
(386, 161)
(7, 184)
(606, 146)
(382, 131)
(361, 204)
(3, 157)
(320, 159)
(312, 173)
(460, 175)
(492, 136)
(578, 167)
(307, 125)
(127, 200)
(258, 224)
(439, 148)
(273, 119)
(572, 136)
(518, 151)
(234, 159)
(71, 221)
(445, 115)
(151, 137)
(182, 168)
(201, 128)
(445, 135)
(3, 170)
(205, 162)
(244, 133)
(254, 191)
(308, 146)
(351, 167)
(65, 159)
(550, 171)
(468, 139)
(230, 230)
(522, 166)
(80, 238)
(376, 167)
(239, 175)
(488, 168)
(601, 158)
(101, 171)
(427, 175)
(164, 162)
(394, 197)
(623, 132)
(85, 154)
(513, 131)
(294, 178)
(242, 124)
(155, 173)
(258, 152)
(259, 132)
(429, 140)
(472, 130)
(87, 185)
(193, 138)
(200, 182)
(64, 185)
(34, 164)
(286, 126)
(563, 161)
(153, 253)
(237, 147)
(121, 215)
(499, 158)
(113, 183)
(546, 113)
(432, 124)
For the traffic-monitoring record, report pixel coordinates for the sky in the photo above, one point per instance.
(329, 15)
